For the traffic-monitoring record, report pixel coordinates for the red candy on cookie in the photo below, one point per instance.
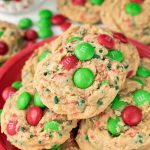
(11, 127)
(58, 19)
(69, 62)
(106, 41)
(7, 92)
(65, 26)
(137, 1)
(34, 115)
(122, 38)
(3, 48)
(78, 2)
(30, 35)
(132, 115)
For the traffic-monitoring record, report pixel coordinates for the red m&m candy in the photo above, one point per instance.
(11, 127)
(58, 19)
(69, 62)
(30, 35)
(132, 115)
(137, 1)
(3, 48)
(8, 91)
(120, 37)
(65, 26)
(78, 2)
(34, 115)
(106, 41)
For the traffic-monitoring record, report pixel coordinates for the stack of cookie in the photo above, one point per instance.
(131, 17)
(87, 90)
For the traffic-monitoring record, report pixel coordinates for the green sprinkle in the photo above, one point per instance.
(100, 51)
(1, 33)
(96, 56)
(81, 103)
(109, 66)
(56, 100)
(86, 138)
(99, 102)
(25, 23)
(22, 129)
(30, 136)
(117, 87)
(17, 85)
(40, 141)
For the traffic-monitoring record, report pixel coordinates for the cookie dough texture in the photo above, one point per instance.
(12, 36)
(55, 84)
(137, 27)
(87, 13)
(93, 133)
(34, 137)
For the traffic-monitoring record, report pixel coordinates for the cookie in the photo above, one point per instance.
(84, 72)
(28, 124)
(31, 64)
(124, 125)
(130, 17)
(84, 11)
(11, 38)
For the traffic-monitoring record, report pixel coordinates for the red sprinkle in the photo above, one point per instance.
(130, 73)
(69, 62)
(122, 38)
(34, 115)
(58, 19)
(3, 48)
(78, 2)
(7, 92)
(11, 127)
(137, 1)
(30, 35)
(131, 115)
(106, 41)
(65, 26)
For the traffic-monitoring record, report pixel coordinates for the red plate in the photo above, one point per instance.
(11, 71)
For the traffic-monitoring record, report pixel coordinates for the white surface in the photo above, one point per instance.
(47, 4)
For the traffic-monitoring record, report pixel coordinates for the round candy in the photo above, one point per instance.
(137, 1)
(113, 126)
(83, 78)
(17, 85)
(37, 100)
(7, 92)
(117, 104)
(23, 100)
(143, 72)
(58, 19)
(3, 48)
(131, 115)
(115, 55)
(43, 55)
(45, 33)
(11, 127)
(45, 14)
(97, 2)
(74, 39)
(133, 9)
(106, 41)
(25, 23)
(30, 35)
(0, 114)
(34, 115)
(141, 97)
(69, 62)
(52, 126)
(78, 2)
(43, 23)
(139, 81)
(65, 26)
(84, 51)
(122, 38)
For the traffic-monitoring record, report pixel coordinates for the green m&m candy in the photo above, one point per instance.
(133, 9)
(45, 14)
(23, 100)
(74, 39)
(117, 104)
(17, 85)
(1, 33)
(143, 72)
(96, 2)
(84, 51)
(25, 23)
(113, 126)
(115, 55)
(44, 23)
(52, 126)
(45, 33)
(138, 80)
(43, 55)
(141, 97)
(0, 114)
(37, 100)
(83, 78)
